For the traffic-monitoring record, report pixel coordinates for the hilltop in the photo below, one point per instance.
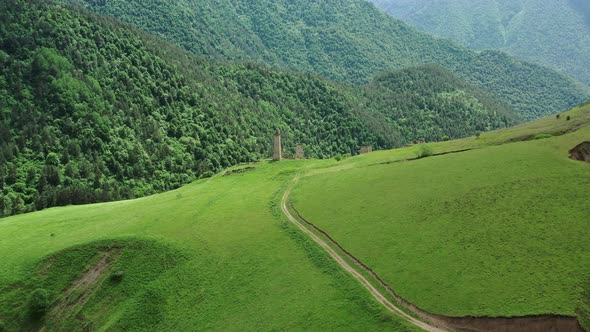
(350, 41)
(551, 33)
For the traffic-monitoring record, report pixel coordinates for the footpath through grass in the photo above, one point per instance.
(496, 231)
(243, 266)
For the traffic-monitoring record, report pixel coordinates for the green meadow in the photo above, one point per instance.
(238, 265)
(498, 230)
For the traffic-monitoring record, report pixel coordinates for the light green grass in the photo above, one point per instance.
(139, 262)
(245, 267)
(496, 231)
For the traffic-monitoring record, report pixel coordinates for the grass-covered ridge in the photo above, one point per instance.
(348, 40)
(86, 284)
(496, 231)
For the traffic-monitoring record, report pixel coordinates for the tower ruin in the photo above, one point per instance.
(366, 149)
(278, 154)
(299, 152)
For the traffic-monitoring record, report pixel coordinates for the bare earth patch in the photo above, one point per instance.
(239, 171)
(581, 152)
(81, 290)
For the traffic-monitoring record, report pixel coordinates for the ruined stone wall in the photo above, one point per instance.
(366, 149)
(299, 152)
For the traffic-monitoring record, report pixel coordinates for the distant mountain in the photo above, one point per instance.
(554, 33)
(93, 110)
(346, 40)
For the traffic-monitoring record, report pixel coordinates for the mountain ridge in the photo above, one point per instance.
(561, 42)
(92, 110)
(349, 41)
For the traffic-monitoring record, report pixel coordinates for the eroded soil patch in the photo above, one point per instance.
(81, 290)
(239, 171)
(581, 152)
(88, 284)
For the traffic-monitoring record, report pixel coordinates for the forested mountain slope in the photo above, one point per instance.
(553, 33)
(91, 110)
(347, 40)
(426, 103)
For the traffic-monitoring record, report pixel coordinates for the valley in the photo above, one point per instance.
(554, 34)
(290, 165)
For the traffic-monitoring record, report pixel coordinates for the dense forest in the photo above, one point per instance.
(93, 110)
(426, 103)
(552, 33)
(345, 40)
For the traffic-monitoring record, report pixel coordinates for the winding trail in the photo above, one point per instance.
(375, 293)
(424, 320)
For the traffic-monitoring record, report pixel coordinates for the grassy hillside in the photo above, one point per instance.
(95, 111)
(496, 231)
(236, 266)
(218, 254)
(109, 275)
(561, 41)
(349, 40)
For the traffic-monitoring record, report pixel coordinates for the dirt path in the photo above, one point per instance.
(424, 320)
(377, 295)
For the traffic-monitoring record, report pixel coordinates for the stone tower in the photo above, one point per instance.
(366, 149)
(278, 155)
(299, 151)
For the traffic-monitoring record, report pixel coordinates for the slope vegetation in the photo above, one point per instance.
(87, 283)
(219, 255)
(238, 267)
(551, 33)
(91, 110)
(349, 40)
(425, 104)
(495, 231)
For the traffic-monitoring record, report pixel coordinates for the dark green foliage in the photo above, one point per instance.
(2, 326)
(543, 136)
(552, 33)
(426, 104)
(117, 276)
(90, 112)
(38, 302)
(346, 40)
(93, 111)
